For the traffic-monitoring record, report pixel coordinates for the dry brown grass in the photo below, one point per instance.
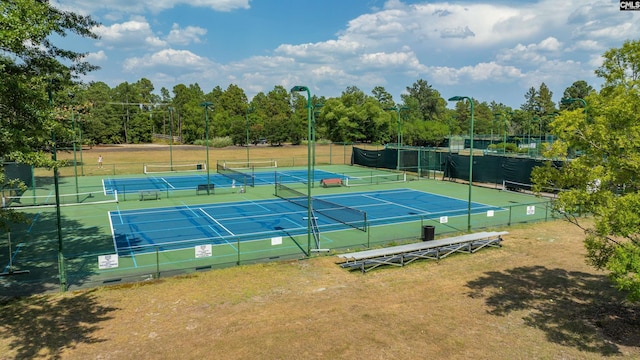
(532, 299)
(128, 159)
(535, 298)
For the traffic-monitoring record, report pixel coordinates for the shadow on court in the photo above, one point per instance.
(573, 308)
(41, 327)
(34, 248)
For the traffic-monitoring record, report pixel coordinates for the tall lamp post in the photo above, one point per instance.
(397, 110)
(313, 146)
(171, 138)
(568, 101)
(246, 124)
(460, 98)
(61, 266)
(75, 162)
(300, 88)
(206, 105)
(80, 142)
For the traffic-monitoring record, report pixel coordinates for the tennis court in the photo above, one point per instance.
(170, 228)
(191, 181)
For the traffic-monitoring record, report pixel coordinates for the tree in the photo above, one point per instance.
(232, 107)
(621, 66)
(431, 105)
(384, 98)
(277, 114)
(35, 73)
(578, 90)
(426, 121)
(604, 181)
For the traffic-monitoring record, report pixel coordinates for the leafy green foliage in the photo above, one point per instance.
(34, 73)
(604, 181)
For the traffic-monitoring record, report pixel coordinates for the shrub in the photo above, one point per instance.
(217, 142)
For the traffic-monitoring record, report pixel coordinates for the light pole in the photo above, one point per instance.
(75, 162)
(460, 98)
(528, 135)
(61, 266)
(313, 146)
(299, 88)
(397, 110)
(80, 142)
(568, 101)
(246, 124)
(171, 138)
(449, 135)
(206, 105)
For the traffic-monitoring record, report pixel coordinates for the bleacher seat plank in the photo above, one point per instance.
(437, 249)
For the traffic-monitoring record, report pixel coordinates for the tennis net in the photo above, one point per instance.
(375, 179)
(239, 176)
(164, 168)
(30, 201)
(340, 213)
(250, 164)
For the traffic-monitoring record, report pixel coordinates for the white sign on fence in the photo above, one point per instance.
(107, 261)
(203, 251)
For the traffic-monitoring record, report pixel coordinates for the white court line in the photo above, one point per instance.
(396, 204)
(168, 183)
(217, 222)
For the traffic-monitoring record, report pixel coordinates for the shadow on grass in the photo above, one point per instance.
(41, 325)
(573, 308)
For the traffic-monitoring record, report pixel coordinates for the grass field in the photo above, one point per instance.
(534, 298)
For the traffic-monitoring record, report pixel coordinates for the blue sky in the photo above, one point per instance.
(492, 50)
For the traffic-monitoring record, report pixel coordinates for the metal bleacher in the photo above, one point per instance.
(436, 249)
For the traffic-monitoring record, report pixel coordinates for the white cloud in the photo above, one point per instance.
(169, 58)
(586, 45)
(381, 60)
(505, 46)
(620, 31)
(327, 51)
(549, 44)
(530, 54)
(145, 6)
(130, 34)
(96, 57)
(440, 24)
(482, 72)
(185, 36)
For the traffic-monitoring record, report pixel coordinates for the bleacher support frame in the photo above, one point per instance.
(435, 250)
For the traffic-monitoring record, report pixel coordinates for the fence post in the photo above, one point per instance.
(330, 153)
(157, 262)
(238, 246)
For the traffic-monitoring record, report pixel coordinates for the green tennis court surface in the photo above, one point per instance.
(159, 237)
(168, 228)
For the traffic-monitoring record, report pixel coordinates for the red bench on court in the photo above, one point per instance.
(331, 182)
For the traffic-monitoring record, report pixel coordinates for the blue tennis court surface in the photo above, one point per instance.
(190, 182)
(183, 226)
